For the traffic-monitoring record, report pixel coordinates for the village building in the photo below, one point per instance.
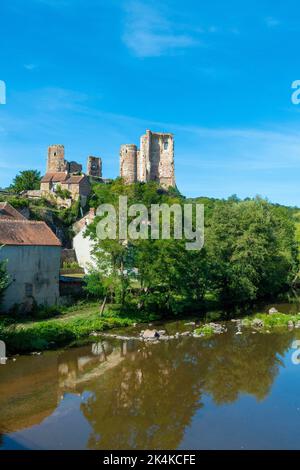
(32, 253)
(65, 181)
(63, 176)
(82, 245)
(7, 211)
(77, 185)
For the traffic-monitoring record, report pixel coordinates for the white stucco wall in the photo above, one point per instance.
(83, 248)
(35, 265)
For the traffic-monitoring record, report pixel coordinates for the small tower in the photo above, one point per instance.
(94, 167)
(56, 159)
(128, 163)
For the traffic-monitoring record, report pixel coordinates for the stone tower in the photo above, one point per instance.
(128, 163)
(56, 159)
(94, 167)
(156, 159)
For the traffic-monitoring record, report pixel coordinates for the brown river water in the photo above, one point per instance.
(227, 392)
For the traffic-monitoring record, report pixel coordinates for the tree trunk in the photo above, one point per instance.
(103, 306)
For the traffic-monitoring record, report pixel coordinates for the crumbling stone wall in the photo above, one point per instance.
(94, 167)
(56, 159)
(74, 167)
(153, 162)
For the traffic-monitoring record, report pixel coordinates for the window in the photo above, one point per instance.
(28, 290)
(54, 154)
(166, 145)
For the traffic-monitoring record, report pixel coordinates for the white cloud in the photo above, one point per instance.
(272, 22)
(148, 33)
(30, 66)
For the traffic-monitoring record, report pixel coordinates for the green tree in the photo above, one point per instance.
(26, 180)
(251, 250)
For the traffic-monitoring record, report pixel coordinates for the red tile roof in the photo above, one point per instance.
(9, 212)
(62, 178)
(55, 177)
(75, 179)
(26, 232)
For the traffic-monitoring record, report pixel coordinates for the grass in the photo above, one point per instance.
(277, 320)
(205, 330)
(76, 323)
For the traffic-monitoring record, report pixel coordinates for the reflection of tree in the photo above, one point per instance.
(149, 399)
(247, 364)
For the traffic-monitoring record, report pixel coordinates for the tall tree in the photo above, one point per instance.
(26, 180)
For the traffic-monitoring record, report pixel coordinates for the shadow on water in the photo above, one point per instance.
(136, 395)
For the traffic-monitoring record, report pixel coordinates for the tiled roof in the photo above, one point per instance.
(75, 179)
(62, 178)
(9, 212)
(55, 177)
(25, 232)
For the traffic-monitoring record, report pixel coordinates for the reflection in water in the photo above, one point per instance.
(133, 395)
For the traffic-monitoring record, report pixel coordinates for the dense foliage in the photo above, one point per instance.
(26, 180)
(250, 253)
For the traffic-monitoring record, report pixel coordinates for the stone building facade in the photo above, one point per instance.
(154, 161)
(68, 176)
(32, 253)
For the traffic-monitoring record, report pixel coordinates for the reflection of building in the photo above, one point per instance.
(32, 253)
(28, 392)
(153, 162)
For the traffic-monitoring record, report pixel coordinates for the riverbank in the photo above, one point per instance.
(73, 325)
(81, 321)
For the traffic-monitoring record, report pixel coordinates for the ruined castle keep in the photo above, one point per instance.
(154, 161)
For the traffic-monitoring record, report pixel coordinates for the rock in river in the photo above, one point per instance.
(257, 323)
(150, 335)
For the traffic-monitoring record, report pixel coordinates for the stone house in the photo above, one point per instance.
(78, 185)
(33, 254)
(68, 176)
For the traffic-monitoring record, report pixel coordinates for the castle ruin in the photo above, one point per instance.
(154, 161)
(62, 175)
(56, 163)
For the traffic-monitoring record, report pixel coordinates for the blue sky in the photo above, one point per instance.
(93, 74)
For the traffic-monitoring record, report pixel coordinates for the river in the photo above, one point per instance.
(227, 392)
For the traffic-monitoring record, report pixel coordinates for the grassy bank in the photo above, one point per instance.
(264, 321)
(78, 322)
(72, 325)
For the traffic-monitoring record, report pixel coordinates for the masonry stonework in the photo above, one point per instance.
(56, 159)
(94, 167)
(154, 161)
(128, 163)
